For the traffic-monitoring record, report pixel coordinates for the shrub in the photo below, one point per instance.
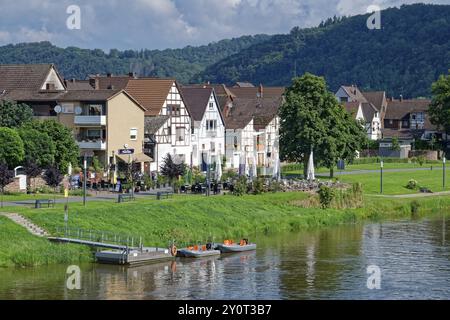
(412, 184)
(275, 186)
(240, 188)
(258, 186)
(415, 206)
(326, 196)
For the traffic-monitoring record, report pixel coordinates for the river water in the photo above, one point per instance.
(413, 257)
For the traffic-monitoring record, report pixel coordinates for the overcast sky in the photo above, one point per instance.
(159, 24)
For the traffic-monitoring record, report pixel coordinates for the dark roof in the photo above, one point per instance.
(30, 95)
(354, 93)
(23, 77)
(403, 134)
(196, 100)
(398, 109)
(109, 82)
(369, 111)
(266, 110)
(153, 124)
(377, 98)
(352, 107)
(78, 84)
(89, 95)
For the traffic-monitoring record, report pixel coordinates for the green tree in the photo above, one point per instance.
(66, 148)
(312, 119)
(395, 144)
(6, 177)
(53, 178)
(39, 148)
(11, 147)
(172, 170)
(14, 115)
(440, 106)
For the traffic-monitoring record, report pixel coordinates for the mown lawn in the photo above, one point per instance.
(394, 183)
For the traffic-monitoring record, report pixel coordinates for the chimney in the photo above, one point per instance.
(94, 83)
(131, 74)
(109, 75)
(261, 91)
(401, 98)
(111, 87)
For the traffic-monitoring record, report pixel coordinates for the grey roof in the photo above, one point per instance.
(369, 111)
(377, 98)
(153, 124)
(78, 84)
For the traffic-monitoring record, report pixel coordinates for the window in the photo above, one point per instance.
(213, 147)
(180, 134)
(133, 134)
(344, 99)
(95, 110)
(211, 125)
(68, 108)
(94, 134)
(211, 105)
(173, 110)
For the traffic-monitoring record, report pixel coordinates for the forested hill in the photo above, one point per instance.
(410, 51)
(77, 63)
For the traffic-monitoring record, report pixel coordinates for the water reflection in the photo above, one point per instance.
(329, 263)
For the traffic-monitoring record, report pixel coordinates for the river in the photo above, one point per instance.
(413, 257)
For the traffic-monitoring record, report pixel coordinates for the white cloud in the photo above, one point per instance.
(137, 24)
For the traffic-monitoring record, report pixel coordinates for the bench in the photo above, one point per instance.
(166, 194)
(125, 198)
(48, 202)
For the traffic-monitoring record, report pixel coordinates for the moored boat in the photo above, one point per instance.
(198, 252)
(230, 247)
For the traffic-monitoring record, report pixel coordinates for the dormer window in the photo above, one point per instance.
(50, 86)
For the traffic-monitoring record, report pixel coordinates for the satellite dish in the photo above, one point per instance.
(78, 111)
(58, 109)
(126, 146)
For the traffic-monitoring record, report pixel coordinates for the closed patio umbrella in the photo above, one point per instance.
(219, 168)
(311, 170)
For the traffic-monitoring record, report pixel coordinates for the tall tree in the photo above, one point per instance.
(39, 148)
(66, 148)
(440, 106)
(14, 115)
(312, 119)
(6, 177)
(11, 147)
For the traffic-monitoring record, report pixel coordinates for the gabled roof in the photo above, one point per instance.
(352, 107)
(153, 124)
(369, 111)
(24, 77)
(197, 100)
(354, 93)
(150, 92)
(377, 98)
(398, 109)
(112, 82)
(241, 114)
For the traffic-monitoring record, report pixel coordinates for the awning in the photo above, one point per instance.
(140, 157)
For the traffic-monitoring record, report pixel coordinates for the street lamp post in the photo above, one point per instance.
(444, 160)
(381, 176)
(84, 179)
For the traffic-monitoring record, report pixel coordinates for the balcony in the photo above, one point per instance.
(92, 144)
(90, 120)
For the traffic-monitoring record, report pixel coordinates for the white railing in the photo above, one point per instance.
(92, 145)
(91, 120)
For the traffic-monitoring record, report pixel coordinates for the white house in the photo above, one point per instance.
(368, 115)
(167, 120)
(208, 126)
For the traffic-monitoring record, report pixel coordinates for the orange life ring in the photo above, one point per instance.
(195, 248)
(173, 251)
(243, 243)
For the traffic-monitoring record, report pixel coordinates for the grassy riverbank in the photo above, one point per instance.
(188, 218)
